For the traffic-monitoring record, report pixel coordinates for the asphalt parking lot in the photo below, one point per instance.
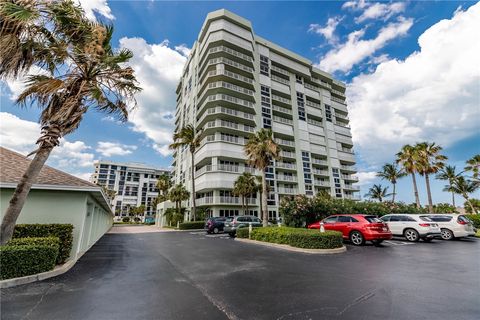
(190, 275)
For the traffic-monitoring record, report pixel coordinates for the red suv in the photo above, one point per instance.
(357, 228)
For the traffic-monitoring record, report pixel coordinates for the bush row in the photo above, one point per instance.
(27, 259)
(300, 238)
(300, 210)
(64, 232)
(192, 225)
(475, 219)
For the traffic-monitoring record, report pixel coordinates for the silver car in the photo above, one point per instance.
(232, 224)
(453, 225)
(412, 226)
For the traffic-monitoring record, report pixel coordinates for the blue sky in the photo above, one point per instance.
(409, 68)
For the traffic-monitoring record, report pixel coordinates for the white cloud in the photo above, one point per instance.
(366, 177)
(20, 135)
(344, 56)
(158, 68)
(382, 11)
(108, 149)
(432, 95)
(327, 31)
(96, 6)
(83, 175)
(354, 4)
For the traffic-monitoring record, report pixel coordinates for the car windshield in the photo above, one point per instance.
(229, 219)
(372, 219)
(440, 218)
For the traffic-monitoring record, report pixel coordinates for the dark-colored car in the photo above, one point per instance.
(215, 224)
(357, 228)
(234, 223)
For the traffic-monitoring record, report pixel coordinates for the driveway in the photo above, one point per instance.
(189, 275)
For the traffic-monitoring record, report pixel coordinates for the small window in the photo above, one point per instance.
(424, 218)
(344, 219)
(441, 218)
(385, 218)
(395, 219)
(330, 220)
(372, 219)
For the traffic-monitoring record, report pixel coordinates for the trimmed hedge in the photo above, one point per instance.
(64, 232)
(300, 238)
(475, 219)
(38, 241)
(25, 260)
(192, 225)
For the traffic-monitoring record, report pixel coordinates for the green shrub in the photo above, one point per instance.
(174, 217)
(24, 260)
(475, 203)
(475, 219)
(295, 237)
(192, 225)
(444, 208)
(38, 241)
(64, 232)
(125, 219)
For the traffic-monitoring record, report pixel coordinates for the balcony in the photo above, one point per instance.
(229, 86)
(280, 80)
(352, 196)
(229, 74)
(346, 156)
(311, 87)
(287, 154)
(341, 116)
(281, 177)
(322, 83)
(281, 109)
(285, 165)
(313, 104)
(338, 93)
(228, 98)
(282, 120)
(348, 168)
(230, 125)
(282, 190)
(320, 172)
(218, 200)
(282, 142)
(223, 138)
(230, 63)
(350, 187)
(226, 111)
(320, 161)
(315, 122)
(231, 52)
(349, 177)
(279, 70)
(281, 99)
(341, 101)
(224, 168)
(321, 183)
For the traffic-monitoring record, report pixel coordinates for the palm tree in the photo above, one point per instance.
(84, 72)
(473, 164)
(407, 158)
(164, 183)
(177, 194)
(464, 187)
(430, 161)
(448, 173)
(261, 149)
(392, 173)
(378, 192)
(188, 137)
(244, 186)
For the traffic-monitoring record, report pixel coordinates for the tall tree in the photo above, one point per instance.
(392, 173)
(464, 187)
(177, 194)
(83, 72)
(449, 174)
(187, 136)
(473, 165)
(378, 192)
(407, 158)
(430, 161)
(244, 187)
(261, 149)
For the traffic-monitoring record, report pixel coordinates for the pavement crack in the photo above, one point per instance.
(38, 302)
(219, 305)
(364, 297)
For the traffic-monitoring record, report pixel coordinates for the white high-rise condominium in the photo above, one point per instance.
(133, 183)
(235, 83)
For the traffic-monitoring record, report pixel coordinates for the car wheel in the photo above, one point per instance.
(427, 239)
(215, 230)
(446, 234)
(231, 234)
(357, 238)
(411, 235)
(377, 242)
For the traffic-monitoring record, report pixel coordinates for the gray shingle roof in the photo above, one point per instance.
(13, 165)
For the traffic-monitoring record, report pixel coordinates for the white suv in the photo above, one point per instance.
(412, 226)
(453, 225)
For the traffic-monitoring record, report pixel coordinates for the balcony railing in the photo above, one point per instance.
(342, 101)
(228, 98)
(280, 70)
(285, 165)
(232, 52)
(280, 79)
(348, 168)
(223, 200)
(313, 104)
(230, 63)
(321, 183)
(283, 190)
(282, 120)
(223, 110)
(281, 109)
(350, 187)
(322, 83)
(287, 154)
(229, 74)
(319, 161)
(229, 86)
(286, 178)
(223, 138)
(315, 122)
(224, 168)
(320, 172)
(349, 177)
(281, 99)
(283, 142)
(309, 86)
(338, 93)
(229, 124)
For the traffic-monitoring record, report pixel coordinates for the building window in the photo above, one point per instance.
(264, 66)
(299, 79)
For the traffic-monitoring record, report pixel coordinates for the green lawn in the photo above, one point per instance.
(478, 233)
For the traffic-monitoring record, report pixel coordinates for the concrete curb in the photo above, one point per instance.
(290, 248)
(58, 270)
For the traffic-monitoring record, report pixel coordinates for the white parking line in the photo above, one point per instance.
(398, 243)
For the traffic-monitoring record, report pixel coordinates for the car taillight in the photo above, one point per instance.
(424, 224)
(462, 222)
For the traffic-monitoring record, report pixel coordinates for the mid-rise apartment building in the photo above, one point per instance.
(133, 183)
(235, 83)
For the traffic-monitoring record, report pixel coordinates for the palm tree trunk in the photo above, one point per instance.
(453, 198)
(415, 190)
(246, 205)
(194, 207)
(260, 199)
(393, 197)
(471, 205)
(20, 194)
(429, 194)
(264, 200)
